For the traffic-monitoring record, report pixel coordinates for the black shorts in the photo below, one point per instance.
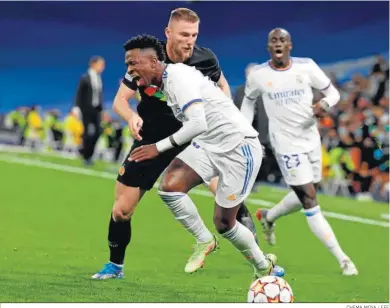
(144, 174)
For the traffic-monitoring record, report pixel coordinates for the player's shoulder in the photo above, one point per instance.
(204, 52)
(302, 61)
(261, 66)
(179, 71)
(177, 68)
(259, 69)
(202, 57)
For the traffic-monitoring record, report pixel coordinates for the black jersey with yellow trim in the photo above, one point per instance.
(158, 119)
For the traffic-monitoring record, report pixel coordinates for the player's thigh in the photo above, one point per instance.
(189, 169)
(237, 170)
(295, 168)
(315, 158)
(212, 185)
(126, 200)
(144, 174)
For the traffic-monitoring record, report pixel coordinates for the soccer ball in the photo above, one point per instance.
(270, 289)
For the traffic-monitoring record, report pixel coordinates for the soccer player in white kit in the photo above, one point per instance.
(222, 143)
(285, 85)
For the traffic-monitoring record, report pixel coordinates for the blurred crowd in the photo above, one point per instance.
(51, 130)
(355, 136)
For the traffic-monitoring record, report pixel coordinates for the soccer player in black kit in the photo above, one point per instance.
(155, 121)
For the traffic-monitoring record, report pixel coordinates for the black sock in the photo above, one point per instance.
(119, 235)
(245, 218)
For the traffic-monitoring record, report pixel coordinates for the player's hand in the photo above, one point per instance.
(144, 152)
(319, 110)
(135, 125)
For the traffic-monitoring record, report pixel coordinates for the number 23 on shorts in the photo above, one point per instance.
(291, 161)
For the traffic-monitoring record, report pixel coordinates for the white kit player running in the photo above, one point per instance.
(285, 86)
(223, 144)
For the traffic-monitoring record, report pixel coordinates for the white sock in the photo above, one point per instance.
(187, 214)
(242, 238)
(289, 204)
(321, 228)
(119, 265)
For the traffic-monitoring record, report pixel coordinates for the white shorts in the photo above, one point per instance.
(300, 169)
(237, 169)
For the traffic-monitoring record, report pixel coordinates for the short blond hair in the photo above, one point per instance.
(184, 14)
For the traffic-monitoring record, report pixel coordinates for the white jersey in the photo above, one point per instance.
(287, 96)
(226, 125)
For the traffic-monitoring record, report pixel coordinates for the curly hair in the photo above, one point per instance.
(146, 41)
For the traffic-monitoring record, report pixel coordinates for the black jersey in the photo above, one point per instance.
(158, 119)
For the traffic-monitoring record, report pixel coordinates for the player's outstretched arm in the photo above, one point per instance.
(248, 108)
(252, 91)
(121, 107)
(321, 82)
(217, 75)
(224, 85)
(121, 102)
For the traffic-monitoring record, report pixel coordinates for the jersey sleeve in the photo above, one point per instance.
(130, 82)
(318, 79)
(214, 71)
(252, 88)
(185, 88)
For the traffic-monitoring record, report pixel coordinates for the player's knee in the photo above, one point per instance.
(169, 184)
(223, 224)
(307, 195)
(122, 210)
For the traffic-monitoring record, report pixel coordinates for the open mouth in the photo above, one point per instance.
(134, 76)
(138, 79)
(279, 52)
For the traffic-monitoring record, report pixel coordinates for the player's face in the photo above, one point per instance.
(183, 35)
(141, 66)
(279, 45)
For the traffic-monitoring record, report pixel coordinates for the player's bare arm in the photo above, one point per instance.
(332, 97)
(251, 94)
(224, 85)
(121, 107)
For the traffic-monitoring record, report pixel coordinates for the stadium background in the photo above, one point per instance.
(46, 47)
(50, 245)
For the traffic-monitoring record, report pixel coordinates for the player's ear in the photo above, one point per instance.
(167, 32)
(153, 62)
(290, 46)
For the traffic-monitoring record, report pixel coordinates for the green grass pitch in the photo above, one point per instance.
(53, 235)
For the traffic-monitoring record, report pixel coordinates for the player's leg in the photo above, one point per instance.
(321, 228)
(301, 171)
(243, 214)
(237, 173)
(177, 180)
(242, 238)
(288, 165)
(288, 205)
(119, 230)
(133, 180)
(316, 220)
